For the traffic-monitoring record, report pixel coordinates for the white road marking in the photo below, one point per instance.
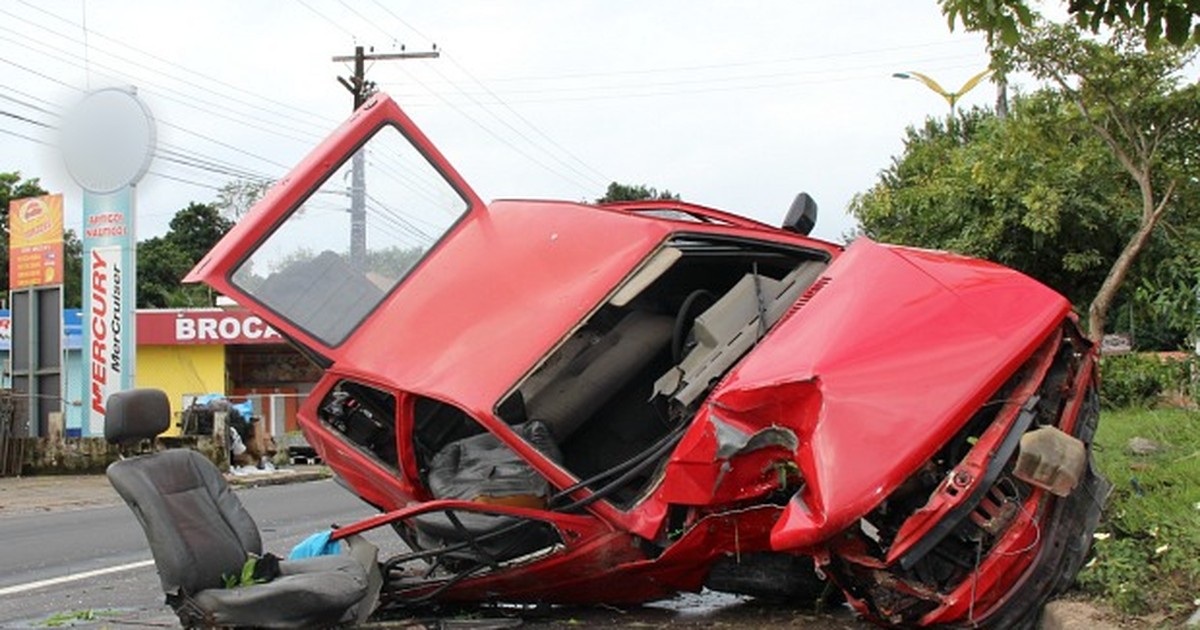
(29, 586)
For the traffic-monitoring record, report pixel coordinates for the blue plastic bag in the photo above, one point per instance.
(316, 545)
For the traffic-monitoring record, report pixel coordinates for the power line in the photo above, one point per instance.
(214, 109)
(327, 20)
(411, 219)
(183, 180)
(158, 58)
(601, 181)
(40, 74)
(213, 168)
(186, 100)
(594, 175)
(165, 149)
(138, 64)
(369, 22)
(698, 90)
(245, 173)
(415, 184)
(688, 68)
(403, 22)
(223, 144)
(398, 221)
(500, 138)
(25, 103)
(24, 137)
(706, 67)
(164, 123)
(168, 154)
(24, 119)
(532, 126)
(733, 82)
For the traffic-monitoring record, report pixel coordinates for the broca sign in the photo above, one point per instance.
(209, 326)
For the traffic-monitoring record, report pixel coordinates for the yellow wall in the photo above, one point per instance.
(179, 370)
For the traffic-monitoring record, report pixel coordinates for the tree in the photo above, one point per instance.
(161, 267)
(72, 270)
(626, 192)
(163, 261)
(1153, 18)
(196, 228)
(1130, 98)
(393, 263)
(1037, 191)
(1129, 94)
(237, 197)
(1031, 192)
(1163, 311)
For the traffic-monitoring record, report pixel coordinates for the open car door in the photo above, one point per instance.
(335, 238)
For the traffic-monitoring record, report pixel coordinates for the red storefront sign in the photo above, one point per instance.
(203, 326)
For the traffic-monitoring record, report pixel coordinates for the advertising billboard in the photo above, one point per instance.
(35, 244)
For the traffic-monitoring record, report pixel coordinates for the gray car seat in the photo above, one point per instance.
(198, 531)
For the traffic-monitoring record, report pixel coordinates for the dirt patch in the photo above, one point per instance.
(1080, 615)
(23, 495)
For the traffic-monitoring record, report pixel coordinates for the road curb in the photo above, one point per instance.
(277, 478)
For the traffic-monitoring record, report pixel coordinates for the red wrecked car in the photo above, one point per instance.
(565, 403)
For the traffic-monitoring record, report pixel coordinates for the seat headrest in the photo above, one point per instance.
(136, 414)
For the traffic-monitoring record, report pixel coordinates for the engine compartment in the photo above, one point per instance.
(619, 390)
(919, 553)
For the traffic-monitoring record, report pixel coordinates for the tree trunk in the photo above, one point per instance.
(1098, 310)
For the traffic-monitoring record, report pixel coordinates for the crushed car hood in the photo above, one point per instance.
(899, 346)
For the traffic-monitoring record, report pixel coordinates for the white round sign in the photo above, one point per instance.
(108, 140)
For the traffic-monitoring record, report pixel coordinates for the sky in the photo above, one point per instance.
(733, 105)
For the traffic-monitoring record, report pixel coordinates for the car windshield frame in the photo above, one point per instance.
(366, 292)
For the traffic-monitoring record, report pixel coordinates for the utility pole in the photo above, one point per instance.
(362, 89)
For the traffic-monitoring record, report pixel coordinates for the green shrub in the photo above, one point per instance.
(1140, 380)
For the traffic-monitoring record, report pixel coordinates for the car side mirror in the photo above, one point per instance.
(802, 216)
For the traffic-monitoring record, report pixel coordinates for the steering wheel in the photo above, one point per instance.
(694, 304)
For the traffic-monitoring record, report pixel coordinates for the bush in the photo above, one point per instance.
(1141, 380)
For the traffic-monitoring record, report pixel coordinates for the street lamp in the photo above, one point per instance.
(951, 97)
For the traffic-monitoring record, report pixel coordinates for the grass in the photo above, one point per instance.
(1147, 549)
(75, 617)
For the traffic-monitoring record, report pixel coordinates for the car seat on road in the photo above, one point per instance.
(199, 532)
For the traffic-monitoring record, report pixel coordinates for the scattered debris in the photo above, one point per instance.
(1144, 446)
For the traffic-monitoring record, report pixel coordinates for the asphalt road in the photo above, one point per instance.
(96, 559)
(58, 568)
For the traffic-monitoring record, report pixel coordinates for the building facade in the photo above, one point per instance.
(189, 352)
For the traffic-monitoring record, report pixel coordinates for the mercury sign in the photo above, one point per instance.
(108, 142)
(109, 363)
(109, 298)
